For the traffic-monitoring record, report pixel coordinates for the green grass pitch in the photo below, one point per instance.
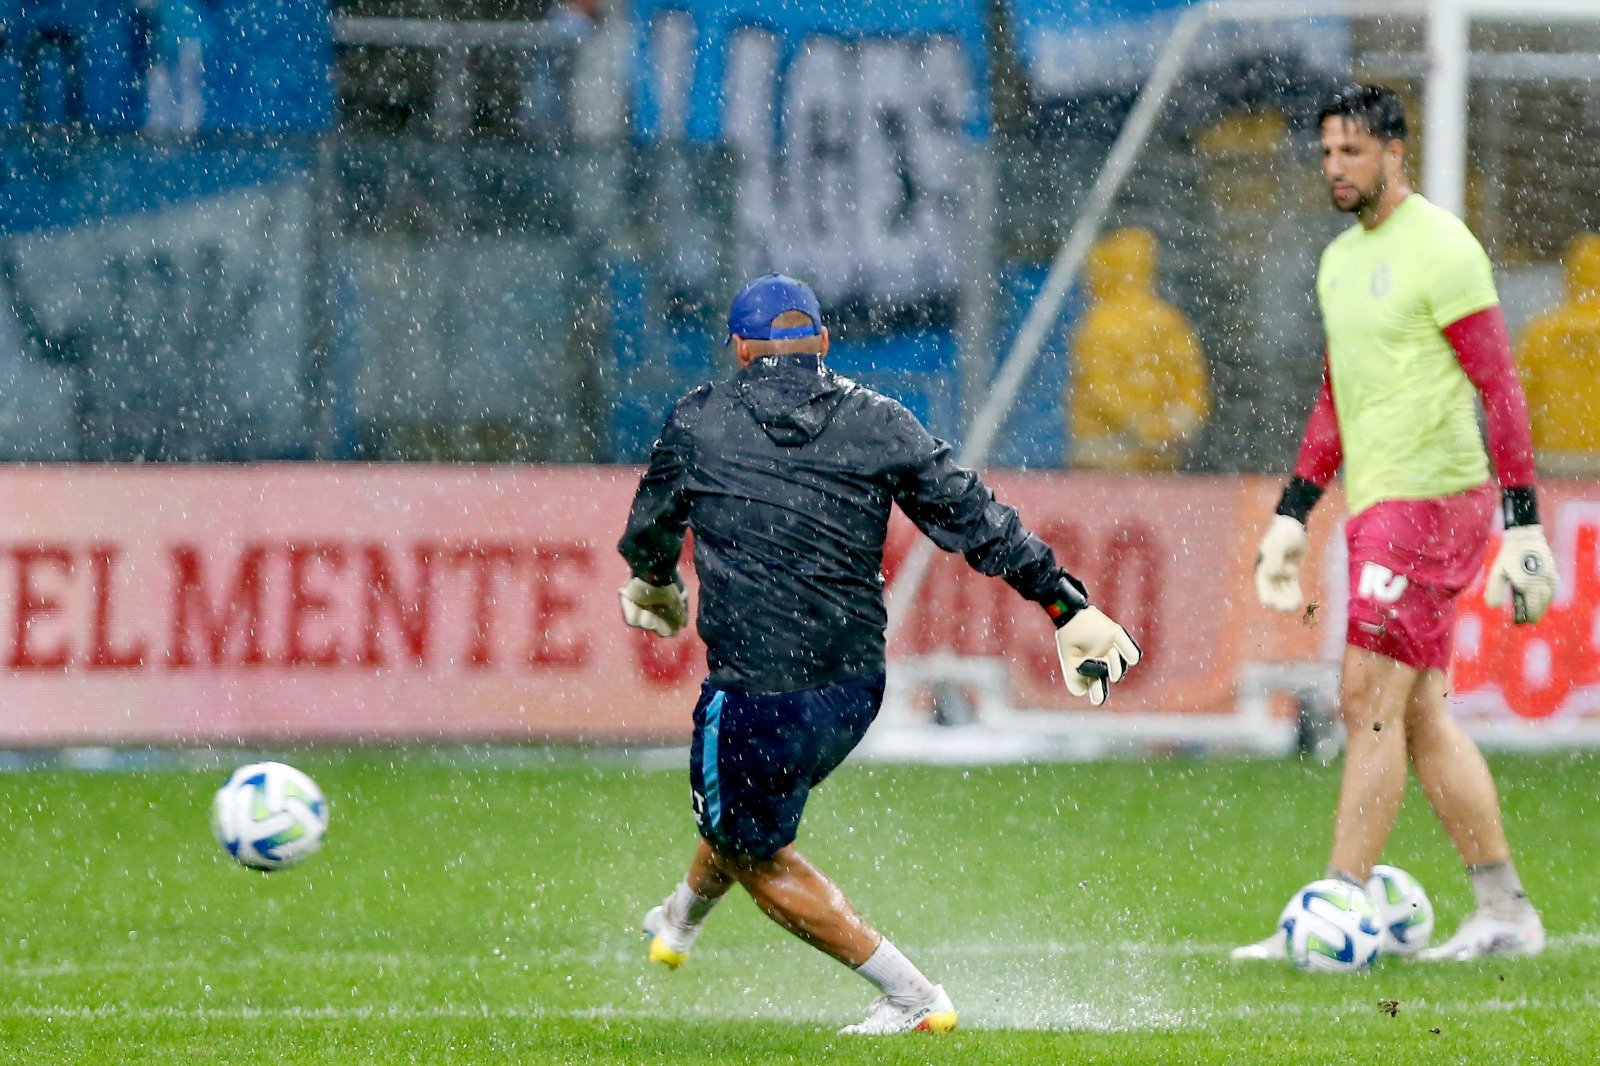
(483, 910)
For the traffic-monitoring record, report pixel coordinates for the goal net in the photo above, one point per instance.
(1213, 154)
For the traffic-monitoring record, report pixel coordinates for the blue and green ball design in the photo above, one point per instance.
(1331, 926)
(1404, 910)
(269, 816)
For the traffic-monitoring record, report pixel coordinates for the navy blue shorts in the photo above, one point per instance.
(756, 757)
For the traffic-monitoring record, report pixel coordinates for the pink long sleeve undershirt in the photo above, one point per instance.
(1483, 348)
(1321, 450)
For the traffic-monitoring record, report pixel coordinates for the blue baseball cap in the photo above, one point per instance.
(763, 300)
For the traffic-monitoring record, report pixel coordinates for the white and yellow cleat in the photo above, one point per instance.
(887, 1018)
(1274, 948)
(1481, 936)
(669, 942)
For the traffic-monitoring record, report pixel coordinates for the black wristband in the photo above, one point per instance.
(1066, 600)
(1519, 506)
(1299, 496)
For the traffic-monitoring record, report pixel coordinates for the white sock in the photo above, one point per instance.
(686, 908)
(1335, 873)
(895, 975)
(1499, 891)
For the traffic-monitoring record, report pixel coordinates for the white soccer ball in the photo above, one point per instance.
(269, 816)
(1404, 912)
(1331, 927)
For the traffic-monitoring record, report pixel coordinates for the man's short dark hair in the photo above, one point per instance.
(1374, 106)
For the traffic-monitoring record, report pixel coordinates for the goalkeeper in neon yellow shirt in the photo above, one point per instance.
(1414, 339)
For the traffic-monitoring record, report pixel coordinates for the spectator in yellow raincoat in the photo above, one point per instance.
(1138, 391)
(1559, 360)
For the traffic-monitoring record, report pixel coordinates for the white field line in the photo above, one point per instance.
(1559, 944)
(1187, 1018)
(629, 955)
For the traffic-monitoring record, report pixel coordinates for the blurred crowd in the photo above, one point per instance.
(468, 253)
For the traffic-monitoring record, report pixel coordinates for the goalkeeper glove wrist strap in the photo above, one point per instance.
(1064, 602)
(1519, 506)
(1299, 496)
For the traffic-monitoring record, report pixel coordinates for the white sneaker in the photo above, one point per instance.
(669, 941)
(886, 1018)
(1482, 935)
(1274, 948)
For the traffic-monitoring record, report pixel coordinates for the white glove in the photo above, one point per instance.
(1526, 569)
(1278, 564)
(662, 609)
(1095, 653)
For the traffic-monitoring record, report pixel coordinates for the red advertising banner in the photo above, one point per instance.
(1551, 670)
(322, 603)
(337, 603)
(1162, 555)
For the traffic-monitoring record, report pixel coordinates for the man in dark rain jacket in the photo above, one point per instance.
(786, 475)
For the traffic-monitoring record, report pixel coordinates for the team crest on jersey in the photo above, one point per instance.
(1380, 281)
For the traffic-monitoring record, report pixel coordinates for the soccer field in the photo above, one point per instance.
(483, 910)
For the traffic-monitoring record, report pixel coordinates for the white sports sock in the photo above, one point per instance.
(895, 975)
(1334, 873)
(1499, 891)
(688, 909)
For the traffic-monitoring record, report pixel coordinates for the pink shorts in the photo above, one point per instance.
(1409, 560)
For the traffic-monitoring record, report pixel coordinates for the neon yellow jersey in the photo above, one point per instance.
(1407, 412)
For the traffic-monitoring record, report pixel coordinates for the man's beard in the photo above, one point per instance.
(1364, 200)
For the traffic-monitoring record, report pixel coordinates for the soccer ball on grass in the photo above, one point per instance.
(1404, 913)
(269, 816)
(1331, 927)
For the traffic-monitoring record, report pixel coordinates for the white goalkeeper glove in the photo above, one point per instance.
(662, 609)
(1278, 564)
(1525, 570)
(1095, 653)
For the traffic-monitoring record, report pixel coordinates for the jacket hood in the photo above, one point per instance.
(1583, 269)
(793, 397)
(1122, 263)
